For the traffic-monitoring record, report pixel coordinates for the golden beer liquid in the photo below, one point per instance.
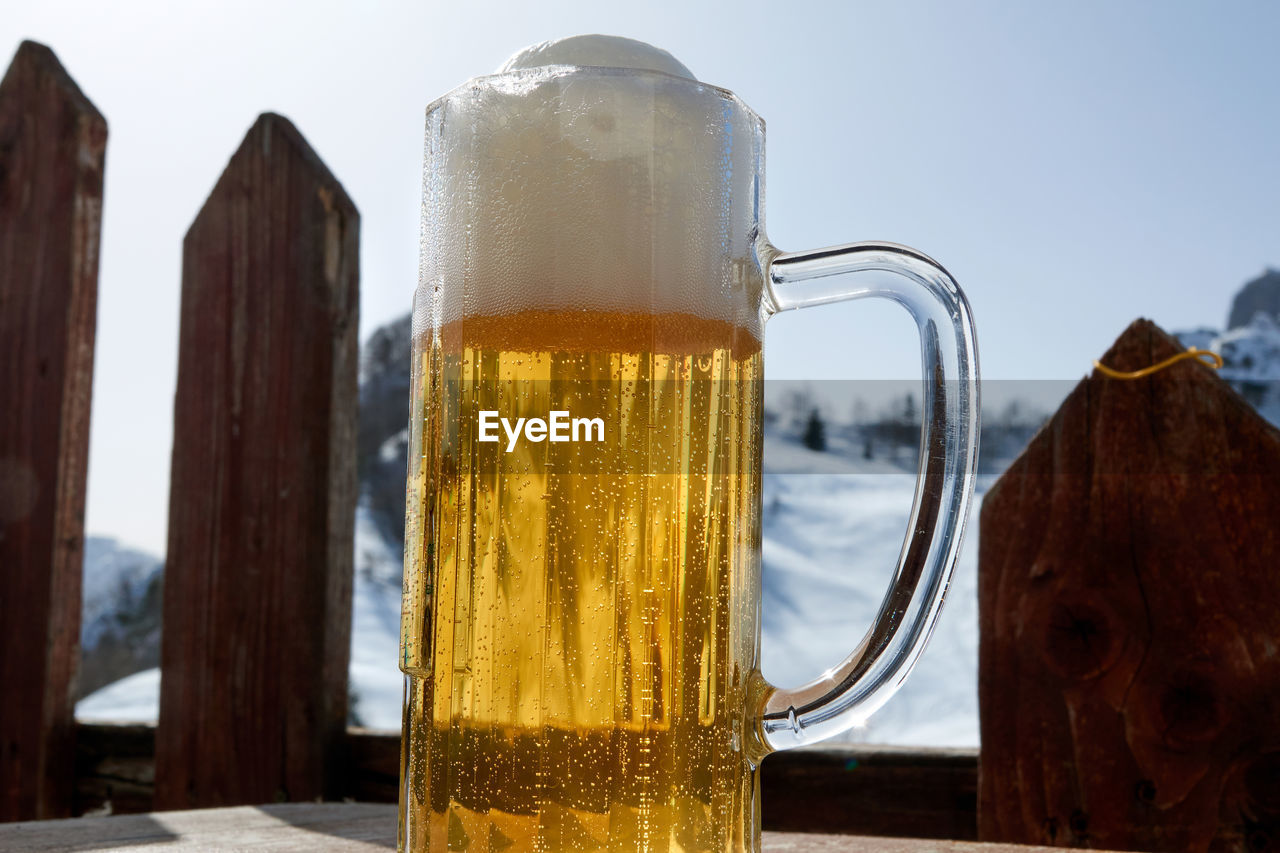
(580, 618)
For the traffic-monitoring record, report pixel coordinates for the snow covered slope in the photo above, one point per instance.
(830, 542)
(375, 646)
(830, 546)
(120, 614)
(1251, 360)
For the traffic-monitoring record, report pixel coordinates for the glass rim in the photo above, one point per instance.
(545, 73)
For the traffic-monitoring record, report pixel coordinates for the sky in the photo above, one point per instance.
(1075, 165)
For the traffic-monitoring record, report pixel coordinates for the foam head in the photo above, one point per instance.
(592, 172)
(599, 51)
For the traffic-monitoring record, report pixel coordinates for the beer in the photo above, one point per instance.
(580, 616)
(581, 612)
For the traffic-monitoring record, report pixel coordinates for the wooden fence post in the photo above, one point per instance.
(257, 593)
(1129, 658)
(52, 147)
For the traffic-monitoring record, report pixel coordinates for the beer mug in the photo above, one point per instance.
(581, 631)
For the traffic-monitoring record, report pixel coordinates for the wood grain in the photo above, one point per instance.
(1129, 679)
(52, 150)
(871, 790)
(339, 827)
(343, 827)
(115, 768)
(257, 593)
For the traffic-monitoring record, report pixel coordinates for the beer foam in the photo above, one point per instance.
(591, 173)
(597, 50)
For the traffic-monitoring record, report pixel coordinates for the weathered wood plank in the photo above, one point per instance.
(1129, 679)
(307, 827)
(257, 603)
(871, 790)
(52, 150)
(373, 769)
(833, 788)
(115, 768)
(286, 826)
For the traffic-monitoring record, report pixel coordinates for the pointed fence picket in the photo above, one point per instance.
(257, 591)
(52, 147)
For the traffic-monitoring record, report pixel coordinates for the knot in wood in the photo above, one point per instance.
(1190, 710)
(1079, 640)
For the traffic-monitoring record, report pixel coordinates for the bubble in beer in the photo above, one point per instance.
(573, 667)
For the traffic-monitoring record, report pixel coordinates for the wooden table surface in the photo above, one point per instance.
(313, 827)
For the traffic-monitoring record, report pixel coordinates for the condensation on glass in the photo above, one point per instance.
(580, 632)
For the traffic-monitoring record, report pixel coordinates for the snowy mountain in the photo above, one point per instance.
(375, 678)
(1261, 295)
(1252, 352)
(120, 616)
(833, 523)
(381, 439)
(375, 640)
(1251, 363)
(1250, 360)
(1201, 338)
(831, 541)
(832, 530)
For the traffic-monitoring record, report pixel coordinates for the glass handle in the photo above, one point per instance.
(848, 694)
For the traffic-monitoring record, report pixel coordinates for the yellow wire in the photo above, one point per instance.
(1208, 359)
